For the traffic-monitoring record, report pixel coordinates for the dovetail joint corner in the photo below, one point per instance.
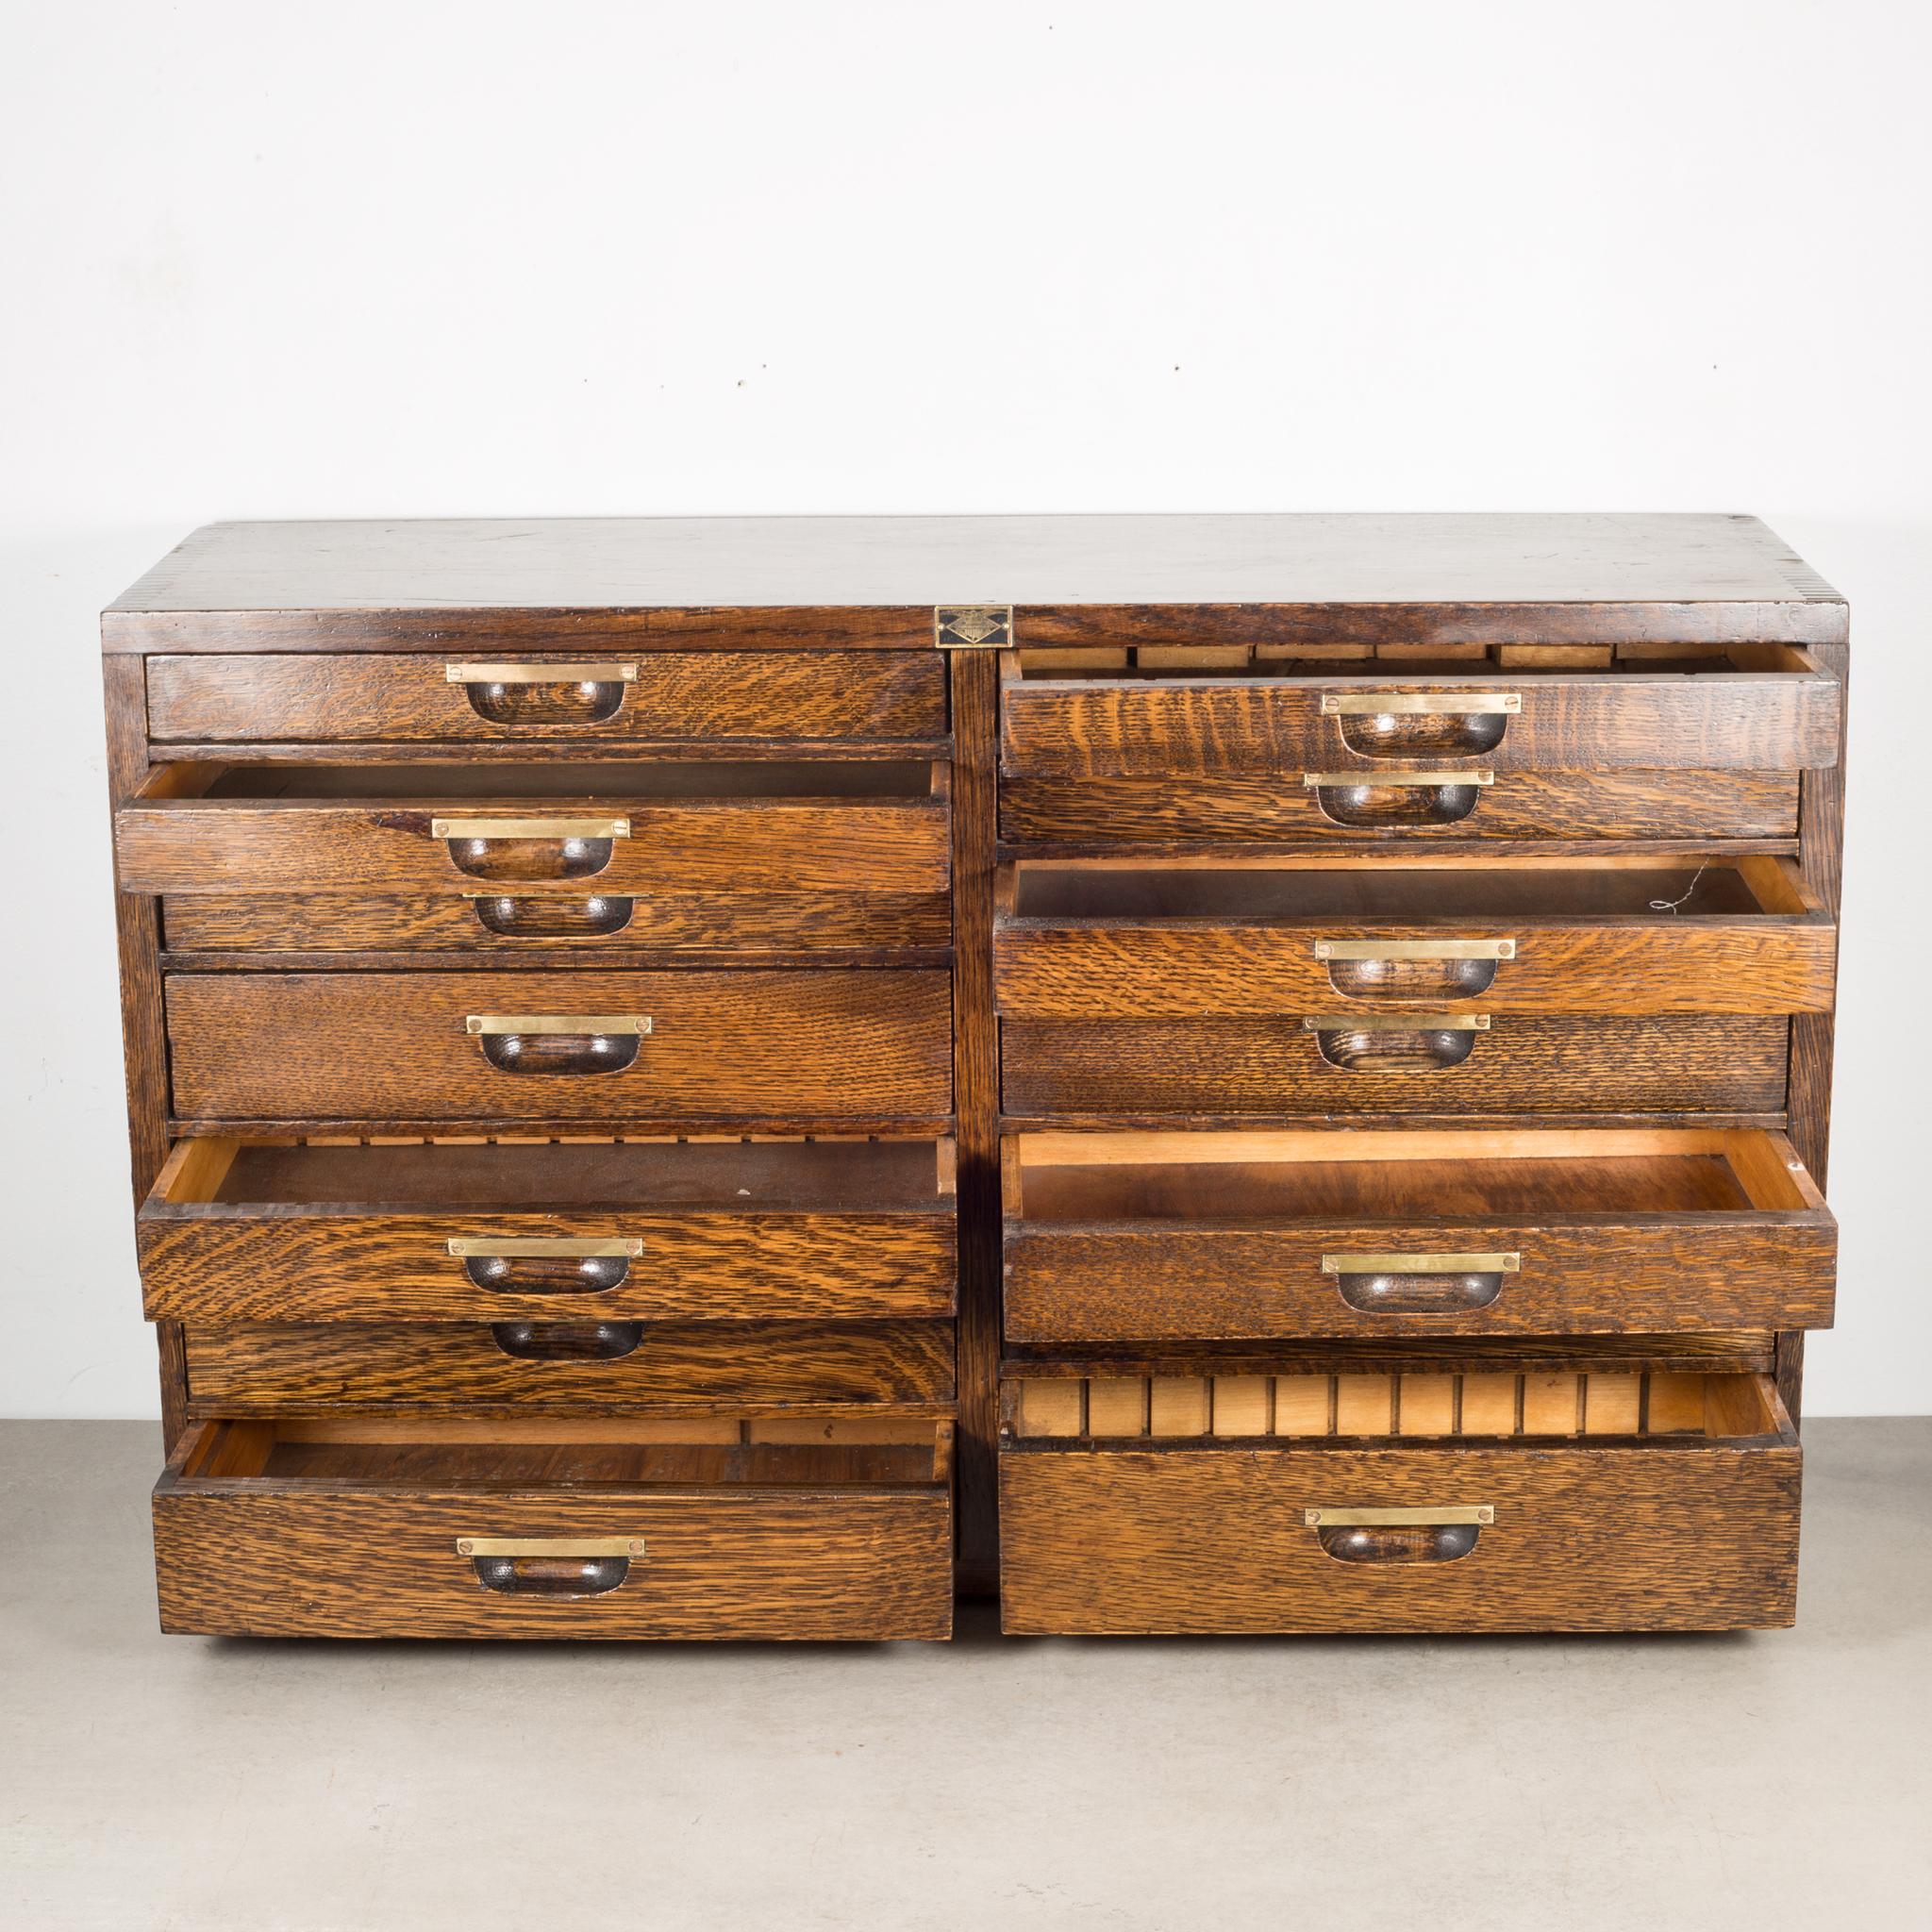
(972, 626)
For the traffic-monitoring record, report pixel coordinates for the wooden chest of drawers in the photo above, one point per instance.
(683, 1084)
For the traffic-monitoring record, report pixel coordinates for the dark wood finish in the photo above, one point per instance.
(1276, 1068)
(765, 1045)
(715, 697)
(1154, 814)
(289, 1368)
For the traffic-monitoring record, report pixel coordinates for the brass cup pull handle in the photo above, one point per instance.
(1422, 724)
(1419, 1284)
(567, 1341)
(536, 1264)
(516, 851)
(563, 1566)
(1412, 968)
(512, 917)
(559, 1042)
(1393, 801)
(1428, 1535)
(544, 695)
(1396, 1042)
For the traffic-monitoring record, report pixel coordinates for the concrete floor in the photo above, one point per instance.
(188, 1785)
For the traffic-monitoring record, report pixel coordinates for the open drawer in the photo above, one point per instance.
(1322, 935)
(721, 1528)
(1223, 1236)
(505, 858)
(1339, 727)
(676, 1231)
(1471, 1502)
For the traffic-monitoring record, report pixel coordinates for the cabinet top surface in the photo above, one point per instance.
(750, 562)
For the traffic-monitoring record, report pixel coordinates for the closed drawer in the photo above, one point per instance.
(512, 860)
(1122, 814)
(237, 1231)
(1260, 1068)
(1657, 708)
(841, 1044)
(722, 1529)
(561, 1365)
(1614, 935)
(709, 698)
(1217, 1237)
(1504, 1501)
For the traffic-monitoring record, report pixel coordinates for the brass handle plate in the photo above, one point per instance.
(540, 1248)
(1411, 704)
(1505, 1262)
(1325, 1518)
(1396, 1023)
(1414, 949)
(1375, 779)
(556, 1023)
(529, 829)
(541, 674)
(550, 1546)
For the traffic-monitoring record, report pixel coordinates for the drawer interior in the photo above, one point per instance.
(478, 781)
(1402, 660)
(579, 1453)
(1405, 1176)
(1490, 1405)
(428, 1175)
(1597, 887)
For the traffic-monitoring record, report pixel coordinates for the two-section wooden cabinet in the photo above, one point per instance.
(1283, 1069)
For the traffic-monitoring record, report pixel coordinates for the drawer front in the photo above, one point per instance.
(1777, 720)
(315, 1265)
(267, 1560)
(1126, 1542)
(562, 1364)
(1113, 814)
(522, 851)
(708, 697)
(1598, 1276)
(514, 924)
(1519, 1063)
(382, 1046)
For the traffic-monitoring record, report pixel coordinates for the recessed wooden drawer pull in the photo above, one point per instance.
(1371, 799)
(1396, 1042)
(565, 1341)
(1435, 1534)
(1421, 1284)
(559, 1042)
(565, 1566)
(585, 693)
(541, 1264)
(1422, 724)
(540, 918)
(521, 849)
(1413, 969)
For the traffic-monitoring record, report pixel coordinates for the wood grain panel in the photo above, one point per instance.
(1689, 1535)
(313, 1265)
(1599, 1274)
(288, 1368)
(1523, 1063)
(377, 1045)
(1760, 963)
(230, 845)
(267, 1559)
(749, 697)
(1114, 814)
(1147, 727)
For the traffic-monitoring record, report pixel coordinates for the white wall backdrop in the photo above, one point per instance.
(408, 258)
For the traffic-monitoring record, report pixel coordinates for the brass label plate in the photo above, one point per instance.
(972, 626)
